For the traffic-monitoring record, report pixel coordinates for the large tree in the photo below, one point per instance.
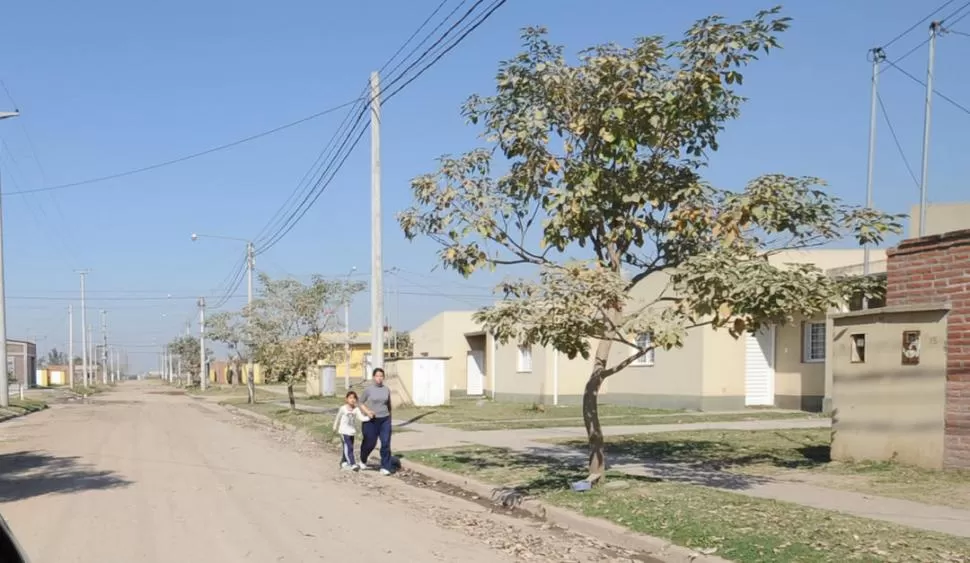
(186, 357)
(594, 179)
(56, 358)
(289, 323)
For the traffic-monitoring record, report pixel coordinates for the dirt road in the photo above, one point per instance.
(140, 475)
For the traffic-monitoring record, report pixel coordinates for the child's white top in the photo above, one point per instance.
(346, 421)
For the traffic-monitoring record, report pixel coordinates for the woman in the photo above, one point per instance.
(375, 401)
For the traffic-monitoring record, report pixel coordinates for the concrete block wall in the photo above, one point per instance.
(933, 270)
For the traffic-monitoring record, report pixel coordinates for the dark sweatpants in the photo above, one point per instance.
(348, 450)
(374, 429)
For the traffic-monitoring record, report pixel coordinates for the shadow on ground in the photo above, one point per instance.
(555, 473)
(27, 474)
(700, 462)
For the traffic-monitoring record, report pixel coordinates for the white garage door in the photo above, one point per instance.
(759, 368)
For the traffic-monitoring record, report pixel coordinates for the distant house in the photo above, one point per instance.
(783, 366)
(456, 336)
(22, 361)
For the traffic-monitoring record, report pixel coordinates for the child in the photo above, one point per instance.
(345, 425)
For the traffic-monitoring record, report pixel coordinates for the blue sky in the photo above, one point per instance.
(109, 85)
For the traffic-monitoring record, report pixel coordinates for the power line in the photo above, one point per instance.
(188, 156)
(953, 102)
(917, 24)
(334, 167)
(467, 30)
(279, 225)
(899, 146)
(415, 34)
(927, 40)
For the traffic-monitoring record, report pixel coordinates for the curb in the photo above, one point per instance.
(12, 416)
(602, 530)
(597, 528)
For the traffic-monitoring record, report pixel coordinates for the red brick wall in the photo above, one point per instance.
(934, 270)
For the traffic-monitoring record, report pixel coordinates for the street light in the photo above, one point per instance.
(4, 384)
(250, 266)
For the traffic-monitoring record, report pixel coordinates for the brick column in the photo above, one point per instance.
(932, 270)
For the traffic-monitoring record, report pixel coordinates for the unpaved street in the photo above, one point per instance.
(140, 475)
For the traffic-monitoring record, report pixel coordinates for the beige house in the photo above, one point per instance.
(454, 335)
(782, 366)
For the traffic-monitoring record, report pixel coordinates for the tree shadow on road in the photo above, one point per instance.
(27, 474)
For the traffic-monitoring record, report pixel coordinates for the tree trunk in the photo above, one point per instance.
(591, 417)
(250, 384)
(289, 393)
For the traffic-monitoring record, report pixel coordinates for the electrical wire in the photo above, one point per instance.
(303, 186)
(328, 174)
(953, 102)
(917, 24)
(899, 146)
(188, 156)
(467, 30)
(430, 292)
(416, 32)
(277, 222)
(41, 219)
(437, 42)
(945, 19)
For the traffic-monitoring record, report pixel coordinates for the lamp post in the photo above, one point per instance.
(4, 382)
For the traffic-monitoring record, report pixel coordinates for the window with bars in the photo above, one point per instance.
(813, 342)
(643, 341)
(525, 358)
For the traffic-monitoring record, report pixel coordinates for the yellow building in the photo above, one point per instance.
(359, 354)
(359, 357)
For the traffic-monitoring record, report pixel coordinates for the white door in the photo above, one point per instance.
(475, 372)
(428, 383)
(759, 368)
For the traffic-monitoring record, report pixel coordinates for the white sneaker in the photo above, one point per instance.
(362, 466)
(345, 466)
(385, 472)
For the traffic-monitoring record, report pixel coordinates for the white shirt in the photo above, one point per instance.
(346, 421)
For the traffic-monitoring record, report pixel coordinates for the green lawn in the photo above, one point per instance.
(19, 407)
(485, 414)
(730, 525)
(801, 455)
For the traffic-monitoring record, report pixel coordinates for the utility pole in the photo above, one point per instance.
(84, 341)
(347, 346)
(250, 368)
(934, 31)
(377, 259)
(92, 367)
(104, 347)
(877, 58)
(4, 384)
(203, 372)
(70, 345)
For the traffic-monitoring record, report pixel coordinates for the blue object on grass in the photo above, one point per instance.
(581, 486)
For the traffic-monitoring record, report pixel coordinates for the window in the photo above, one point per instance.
(525, 358)
(858, 352)
(813, 342)
(643, 341)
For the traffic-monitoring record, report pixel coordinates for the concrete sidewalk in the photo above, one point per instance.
(934, 518)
